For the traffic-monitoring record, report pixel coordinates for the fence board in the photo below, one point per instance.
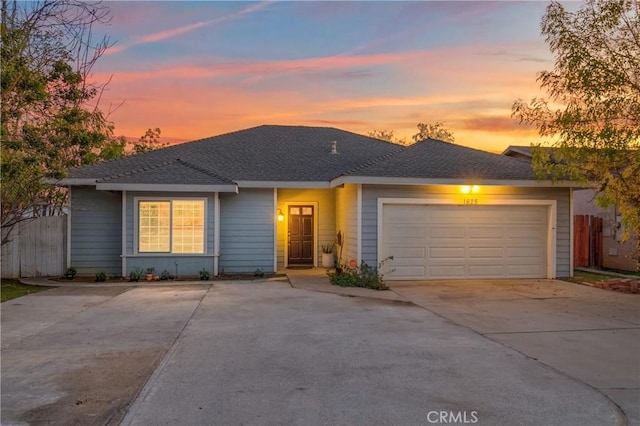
(587, 241)
(581, 240)
(37, 249)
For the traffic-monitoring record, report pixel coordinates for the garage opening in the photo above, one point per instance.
(461, 241)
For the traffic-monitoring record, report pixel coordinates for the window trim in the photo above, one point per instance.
(136, 225)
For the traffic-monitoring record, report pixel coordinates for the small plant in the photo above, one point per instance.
(327, 248)
(165, 275)
(70, 273)
(101, 277)
(258, 273)
(150, 270)
(204, 274)
(135, 274)
(364, 276)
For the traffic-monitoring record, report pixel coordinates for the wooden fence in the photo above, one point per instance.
(37, 248)
(587, 241)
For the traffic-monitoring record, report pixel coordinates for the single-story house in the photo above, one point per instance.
(269, 197)
(616, 252)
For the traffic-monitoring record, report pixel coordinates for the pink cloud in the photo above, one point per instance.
(261, 68)
(163, 35)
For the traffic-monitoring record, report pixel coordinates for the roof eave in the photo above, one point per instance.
(381, 180)
(149, 187)
(282, 184)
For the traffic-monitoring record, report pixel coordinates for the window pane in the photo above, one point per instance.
(307, 210)
(188, 226)
(294, 210)
(153, 226)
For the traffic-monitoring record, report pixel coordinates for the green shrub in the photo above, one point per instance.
(364, 276)
(135, 274)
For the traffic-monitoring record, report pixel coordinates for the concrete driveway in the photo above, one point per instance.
(589, 334)
(266, 353)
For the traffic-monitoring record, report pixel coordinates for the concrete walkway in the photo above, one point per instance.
(589, 334)
(263, 352)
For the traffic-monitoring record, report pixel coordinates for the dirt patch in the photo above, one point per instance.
(99, 392)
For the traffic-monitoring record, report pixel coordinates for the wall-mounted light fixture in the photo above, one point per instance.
(469, 189)
(280, 216)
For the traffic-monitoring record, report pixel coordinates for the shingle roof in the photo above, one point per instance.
(176, 171)
(301, 154)
(433, 159)
(264, 153)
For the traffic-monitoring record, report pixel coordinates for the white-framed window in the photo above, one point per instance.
(171, 226)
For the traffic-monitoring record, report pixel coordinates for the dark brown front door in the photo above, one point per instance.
(301, 235)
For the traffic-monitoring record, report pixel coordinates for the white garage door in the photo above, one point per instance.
(452, 241)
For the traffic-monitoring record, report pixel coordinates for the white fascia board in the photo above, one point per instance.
(517, 151)
(112, 186)
(281, 184)
(73, 181)
(379, 180)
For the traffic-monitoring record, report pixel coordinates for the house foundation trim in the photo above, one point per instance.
(216, 233)
(124, 234)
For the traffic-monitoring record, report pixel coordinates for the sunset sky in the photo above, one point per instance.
(200, 69)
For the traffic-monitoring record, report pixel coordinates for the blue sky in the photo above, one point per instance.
(197, 69)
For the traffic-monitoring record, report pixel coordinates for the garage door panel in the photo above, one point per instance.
(486, 271)
(452, 241)
(445, 215)
(486, 232)
(407, 252)
(517, 232)
(453, 253)
(447, 272)
(485, 252)
(408, 231)
(447, 232)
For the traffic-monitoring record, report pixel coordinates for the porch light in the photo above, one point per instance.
(469, 189)
(280, 216)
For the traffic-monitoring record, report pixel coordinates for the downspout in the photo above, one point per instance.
(359, 225)
(216, 232)
(275, 231)
(123, 256)
(68, 259)
(571, 243)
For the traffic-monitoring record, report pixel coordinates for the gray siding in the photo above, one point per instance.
(180, 265)
(371, 193)
(347, 221)
(96, 218)
(246, 231)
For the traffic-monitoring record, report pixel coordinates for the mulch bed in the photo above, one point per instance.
(225, 277)
(623, 285)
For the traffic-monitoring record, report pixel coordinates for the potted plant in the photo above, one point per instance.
(135, 274)
(150, 274)
(327, 256)
(101, 277)
(204, 275)
(70, 273)
(165, 275)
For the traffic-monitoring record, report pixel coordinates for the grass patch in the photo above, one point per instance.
(11, 289)
(588, 277)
